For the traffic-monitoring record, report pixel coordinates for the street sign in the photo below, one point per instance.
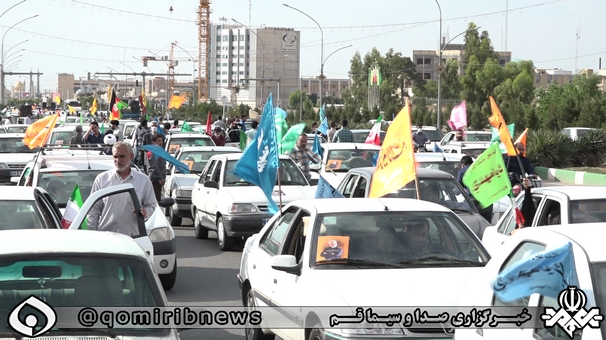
(440, 69)
(224, 100)
(262, 102)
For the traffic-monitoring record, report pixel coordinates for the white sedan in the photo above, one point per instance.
(338, 158)
(367, 252)
(590, 263)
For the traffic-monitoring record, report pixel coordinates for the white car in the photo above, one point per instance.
(179, 185)
(225, 203)
(69, 268)
(434, 134)
(575, 132)
(338, 158)
(175, 141)
(590, 263)
(14, 155)
(28, 208)
(322, 253)
(59, 174)
(473, 149)
(554, 205)
(16, 128)
(469, 136)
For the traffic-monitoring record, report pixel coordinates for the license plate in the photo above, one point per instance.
(264, 221)
(15, 173)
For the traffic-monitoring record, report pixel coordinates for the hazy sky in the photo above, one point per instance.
(76, 36)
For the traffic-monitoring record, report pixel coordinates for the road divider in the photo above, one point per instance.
(572, 177)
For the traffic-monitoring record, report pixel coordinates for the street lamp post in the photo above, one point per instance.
(134, 73)
(321, 77)
(2, 52)
(262, 56)
(324, 62)
(439, 109)
(193, 73)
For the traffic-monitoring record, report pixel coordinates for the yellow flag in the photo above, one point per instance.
(175, 102)
(497, 121)
(93, 108)
(522, 139)
(71, 109)
(109, 94)
(57, 99)
(396, 162)
(37, 133)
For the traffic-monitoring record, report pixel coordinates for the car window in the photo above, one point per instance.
(399, 238)
(217, 173)
(274, 238)
(294, 244)
(349, 183)
(208, 171)
(344, 160)
(444, 191)
(551, 213)
(288, 171)
(553, 332)
(523, 251)
(60, 184)
(598, 275)
(360, 190)
(197, 160)
(587, 211)
(62, 137)
(509, 223)
(24, 177)
(176, 143)
(20, 215)
(479, 137)
(474, 153)
(452, 167)
(15, 145)
(434, 135)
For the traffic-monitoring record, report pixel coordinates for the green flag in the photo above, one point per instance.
(243, 140)
(281, 128)
(102, 128)
(487, 177)
(81, 119)
(495, 133)
(186, 127)
(290, 138)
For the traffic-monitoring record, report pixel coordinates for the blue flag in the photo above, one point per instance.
(259, 162)
(159, 152)
(280, 110)
(316, 148)
(323, 121)
(436, 148)
(325, 190)
(547, 273)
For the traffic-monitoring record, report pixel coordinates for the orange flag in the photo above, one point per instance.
(498, 122)
(522, 139)
(396, 162)
(37, 133)
(175, 102)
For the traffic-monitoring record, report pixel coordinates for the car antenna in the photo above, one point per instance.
(87, 160)
(384, 205)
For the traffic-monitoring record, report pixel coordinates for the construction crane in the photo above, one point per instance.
(203, 23)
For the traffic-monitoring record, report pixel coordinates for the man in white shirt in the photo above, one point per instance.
(28, 119)
(116, 213)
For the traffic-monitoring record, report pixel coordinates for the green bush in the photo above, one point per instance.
(550, 149)
(591, 149)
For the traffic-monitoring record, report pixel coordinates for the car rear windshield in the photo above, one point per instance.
(443, 191)
(62, 137)
(196, 160)
(475, 153)
(176, 143)
(289, 174)
(398, 238)
(19, 215)
(588, 211)
(479, 137)
(434, 135)
(452, 167)
(60, 185)
(15, 145)
(16, 129)
(343, 160)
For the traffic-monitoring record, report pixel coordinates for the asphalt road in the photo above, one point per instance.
(207, 277)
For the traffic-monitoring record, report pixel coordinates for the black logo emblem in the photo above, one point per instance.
(29, 325)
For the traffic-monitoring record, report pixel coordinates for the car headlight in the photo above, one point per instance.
(237, 208)
(3, 166)
(160, 235)
(183, 193)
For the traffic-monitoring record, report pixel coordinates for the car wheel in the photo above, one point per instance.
(255, 333)
(317, 333)
(226, 243)
(201, 232)
(168, 280)
(174, 219)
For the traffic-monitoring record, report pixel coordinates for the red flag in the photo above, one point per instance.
(113, 106)
(209, 123)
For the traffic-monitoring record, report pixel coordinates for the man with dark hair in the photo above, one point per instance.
(314, 127)
(93, 135)
(459, 136)
(344, 135)
(116, 130)
(157, 173)
(78, 139)
(332, 131)
(142, 137)
(302, 155)
(252, 132)
(175, 123)
(513, 166)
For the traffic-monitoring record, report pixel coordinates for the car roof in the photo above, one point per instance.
(188, 135)
(583, 233)
(336, 205)
(67, 241)
(575, 192)
(237, 155)
(17, 193)
(421, 172)
(350, 146)
(210, 148)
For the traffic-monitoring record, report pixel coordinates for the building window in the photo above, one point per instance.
(241, 37)
(218, 64)
(234, 38)
(218, 56)
(502, 62)
(426, 76)
(419, 61)
(224, 64)
(241, 64)
(241, 55)
(218, 38)
(224, 81)
(247, 64)
(427, 61)
(225, 38)
(242, 73)
(233, 48)
(234, 64)
(224, 72)
(241, 47)
(218, 48)
(218, 81)
(218, 73)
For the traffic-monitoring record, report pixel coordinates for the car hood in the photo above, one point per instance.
(183, 181)
(254, 194)
(475, 222)
(398, 287)
(334, 179)
(156, 220)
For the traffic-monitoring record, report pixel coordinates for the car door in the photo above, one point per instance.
(446, 139)
(168, 184)
(48, 209)
(347, 185)
(197, 196)
(552, 210)
(211, 196)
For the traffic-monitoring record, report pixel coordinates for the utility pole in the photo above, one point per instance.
(268, 79)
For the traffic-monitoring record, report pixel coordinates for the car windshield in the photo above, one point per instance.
(289, 174)
(196, 160)
(62, 137)
(15, 145)
(598, 271)
(16, 129)
(60, 185)
(587, 211)
(399, 239)
(434, 135)
(176, 143)
(19, 215)
(343, 160)
(452, 167)
(475, 153)
(479, 137)
(128, 131)
(360, 136)
(443, 191)
(82, 280)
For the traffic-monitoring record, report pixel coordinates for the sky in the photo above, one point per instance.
(80, 36)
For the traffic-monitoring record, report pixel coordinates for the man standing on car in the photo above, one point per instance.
(95, 137)
(420, 137)
(157, 174)
(302, 155)
(344, 135)
(116, 212)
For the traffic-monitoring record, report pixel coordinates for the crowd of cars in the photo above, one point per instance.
(351, 251)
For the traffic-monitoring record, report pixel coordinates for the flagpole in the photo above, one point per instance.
(417, 187)
(279, 189)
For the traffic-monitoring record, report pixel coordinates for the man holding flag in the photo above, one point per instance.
(302, 155)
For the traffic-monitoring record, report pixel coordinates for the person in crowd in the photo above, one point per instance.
(28, 119)
(218, 136)
(314, 127)
(344, 135)
(142, 137)
(220, 123)
(459, 136)
(466, 162)
(157, 174)
(116, 212)
(420, 137)
(109, 140)
(302, 155)
(175, 124)
(93, 135)
(332, 131)
(252, 132)
(513, 165)
(78, 139)
(116, 131)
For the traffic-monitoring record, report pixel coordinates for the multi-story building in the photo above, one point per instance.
(427, 61)
(332, 87)
(256, 63)
(544, 77)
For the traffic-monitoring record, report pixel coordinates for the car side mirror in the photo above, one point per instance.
(286, 263)
(211, 184)
(166, 202)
